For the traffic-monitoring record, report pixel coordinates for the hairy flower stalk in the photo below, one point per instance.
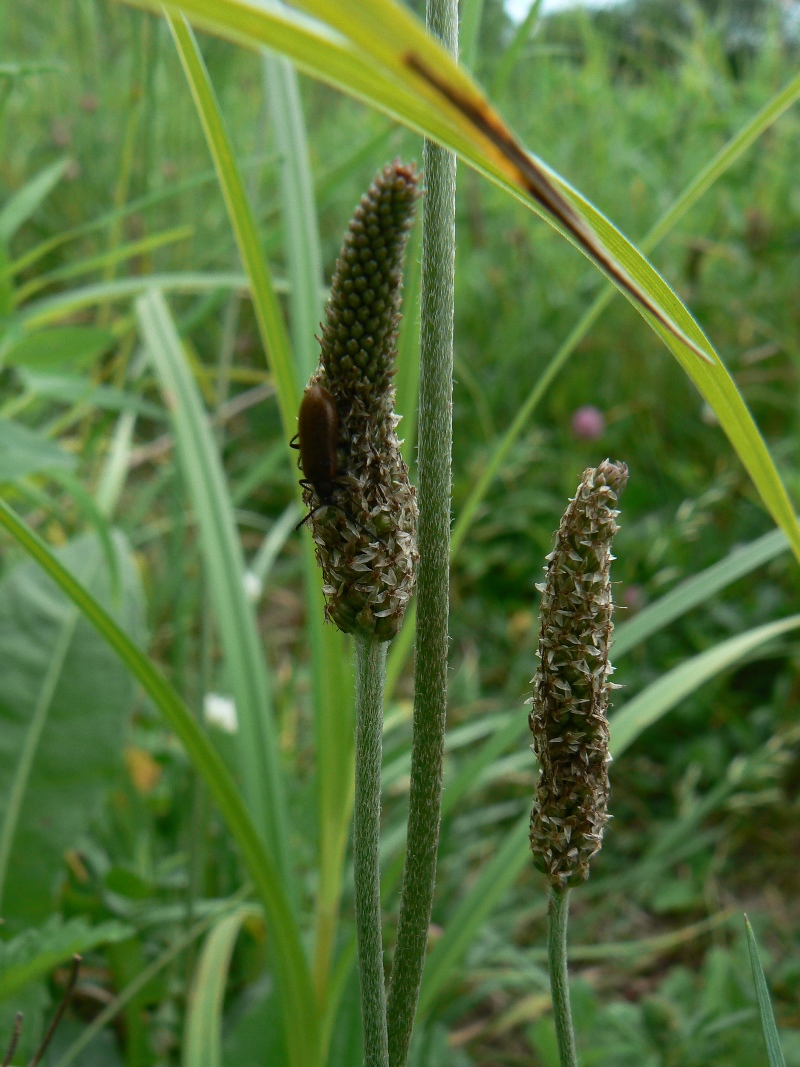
(364, 529)
(572, 685)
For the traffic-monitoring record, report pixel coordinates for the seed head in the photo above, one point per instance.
(571, 687)
(366, 543)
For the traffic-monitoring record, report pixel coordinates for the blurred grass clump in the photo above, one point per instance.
(628, 103)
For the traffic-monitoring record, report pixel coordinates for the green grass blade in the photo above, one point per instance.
(697, 590)
(696, 188)
(512, 855)
(469, 31)
(397, 43)
(699, 185)
(463, 925)
(511, 56)
(299, 214)
(246, 667)
(393, 64)
(19, 207)
(657, 699)
(292, 975)
(52, 308)
(265, 301)
(119, 254)
(202, 1044)
(332, 683)
(332, 672)
(270, 548)
(723, 160)
(371, 58)
(139, 203)
(767, 1015)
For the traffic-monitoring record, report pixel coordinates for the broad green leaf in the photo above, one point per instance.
(24, 452)
(202, 1044)
(179, 945)
(95, 520)
(769, 1028)
(19, 207)
(34, 953)
(380, 53)
(59, 348)
(657, 699)
(247, 673)
(301, 1023)
(63, 708)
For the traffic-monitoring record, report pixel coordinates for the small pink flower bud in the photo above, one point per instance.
(588, 423)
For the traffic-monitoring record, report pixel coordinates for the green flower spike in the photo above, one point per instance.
(364, 517)
(571, 687)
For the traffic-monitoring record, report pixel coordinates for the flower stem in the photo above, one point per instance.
(558, 917)
(433, 587)
(370, 679)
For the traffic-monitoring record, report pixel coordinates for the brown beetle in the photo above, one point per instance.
(318, 441)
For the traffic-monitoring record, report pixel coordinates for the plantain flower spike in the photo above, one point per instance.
(572, 685)
(364, 515)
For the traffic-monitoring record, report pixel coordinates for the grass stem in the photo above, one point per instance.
(559, 986)
(433, 581)
(370, 679)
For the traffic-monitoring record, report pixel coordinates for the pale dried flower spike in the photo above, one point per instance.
(571, 688)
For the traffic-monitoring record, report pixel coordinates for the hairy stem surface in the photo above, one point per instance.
(433, 587)
(559, 987)
(370, 679)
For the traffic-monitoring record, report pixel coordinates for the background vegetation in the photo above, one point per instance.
(117, 849)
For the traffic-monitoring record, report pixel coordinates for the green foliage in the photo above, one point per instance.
(34, 953)
(771, 1039)
(64, 706)
(653, 110)
(24, 452)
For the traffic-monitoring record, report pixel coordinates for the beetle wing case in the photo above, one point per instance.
(318, 431)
